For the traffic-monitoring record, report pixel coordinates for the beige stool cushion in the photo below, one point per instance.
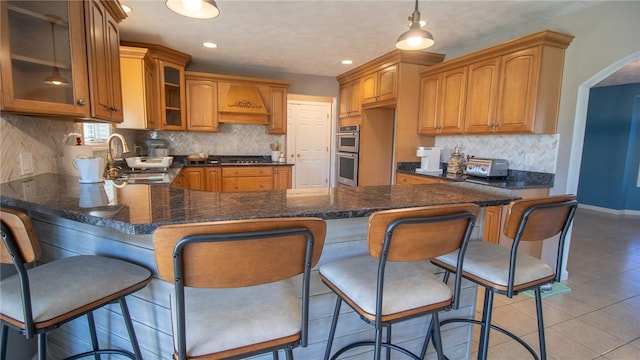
(225, 319)
(408, 285)
(491, 262)
(67, 284)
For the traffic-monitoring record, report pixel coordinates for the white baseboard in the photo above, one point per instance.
(610, 211)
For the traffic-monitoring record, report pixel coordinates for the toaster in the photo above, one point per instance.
(487, 168)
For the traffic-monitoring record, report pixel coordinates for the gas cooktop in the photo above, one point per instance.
(232, 160)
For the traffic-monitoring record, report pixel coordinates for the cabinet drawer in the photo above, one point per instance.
(247, 183)
(247, 171)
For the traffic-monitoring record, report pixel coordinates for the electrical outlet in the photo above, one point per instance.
(26, 163)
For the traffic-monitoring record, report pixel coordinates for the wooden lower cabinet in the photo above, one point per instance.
(415, 179)
(234, 178)
(282, 178)
(494, 220)
(248, 178)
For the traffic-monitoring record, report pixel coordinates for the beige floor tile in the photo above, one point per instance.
(570, 304)
(627, 330)
(562, 348)
(517, 322)
(552, 315)
(626, 352)
(591, 337)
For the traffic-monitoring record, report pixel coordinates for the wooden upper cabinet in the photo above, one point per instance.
(380, 86)
(442, 101)
(29, 31)
(350, 99)
(202, 105)
(170, 85)
(518, 91)
(104, 59)
(482, 96)
(511, 88)
(277, 110)
(138, 89)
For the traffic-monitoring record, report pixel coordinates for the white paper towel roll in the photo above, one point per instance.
(70, 152)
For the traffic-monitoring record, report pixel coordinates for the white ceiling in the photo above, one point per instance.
(312, 37)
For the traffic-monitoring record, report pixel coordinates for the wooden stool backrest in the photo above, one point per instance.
(238, 263)
(20, 228)
(419, 241)
(542, 223)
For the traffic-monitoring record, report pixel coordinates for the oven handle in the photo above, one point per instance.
(348, 155)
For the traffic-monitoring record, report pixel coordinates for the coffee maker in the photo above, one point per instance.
(430, 162)
(153, 145)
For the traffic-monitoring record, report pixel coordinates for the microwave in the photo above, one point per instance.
(348, 138)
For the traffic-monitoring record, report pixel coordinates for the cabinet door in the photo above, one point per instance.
(214, 179)
(194, 178)
(172, 96)
(451, 114)
(104, 63)
(429, 99)
(248, 183)
(202, 105)
(350, 99)
(387, 84)
(28, 57)
(492, 224)
(282, 178)
(369, 88)
(518, 83)
(482, 96)
(278, 110)
(405, 179)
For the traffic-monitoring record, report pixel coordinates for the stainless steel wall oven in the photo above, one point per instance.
(348, 138)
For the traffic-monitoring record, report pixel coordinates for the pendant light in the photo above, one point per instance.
(55, 78)
(199, 9)
(415, 38)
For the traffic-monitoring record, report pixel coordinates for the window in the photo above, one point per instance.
(96, 132)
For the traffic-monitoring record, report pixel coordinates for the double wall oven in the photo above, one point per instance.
(348, 138)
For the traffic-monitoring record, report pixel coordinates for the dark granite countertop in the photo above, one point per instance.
(516, 180)
(140, 208)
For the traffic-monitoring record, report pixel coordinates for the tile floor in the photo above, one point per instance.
(600, 317)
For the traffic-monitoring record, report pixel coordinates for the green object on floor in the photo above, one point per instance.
(558, 288)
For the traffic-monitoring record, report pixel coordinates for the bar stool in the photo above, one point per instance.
(42, 298)
(393, 282)
(505, 271)
(234, 295)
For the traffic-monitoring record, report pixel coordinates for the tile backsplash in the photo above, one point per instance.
(40, 137)
(231, 139)
(524, 152)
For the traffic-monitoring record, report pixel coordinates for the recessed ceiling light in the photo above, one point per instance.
(127, 9)
(210, 45)
(347, 62)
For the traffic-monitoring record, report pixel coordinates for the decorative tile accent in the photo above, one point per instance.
(524, 152)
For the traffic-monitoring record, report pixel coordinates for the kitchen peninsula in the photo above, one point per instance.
(68, 223)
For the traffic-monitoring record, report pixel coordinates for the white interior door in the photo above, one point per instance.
(308, 140)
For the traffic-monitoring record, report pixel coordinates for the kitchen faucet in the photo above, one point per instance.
(110, 159)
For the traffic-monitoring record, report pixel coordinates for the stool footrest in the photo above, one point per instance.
(103, 352)
(495, 327)
(372, 343)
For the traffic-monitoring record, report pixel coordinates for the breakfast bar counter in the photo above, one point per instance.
(118, 220)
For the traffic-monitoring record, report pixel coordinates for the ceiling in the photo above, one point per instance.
(312, 37)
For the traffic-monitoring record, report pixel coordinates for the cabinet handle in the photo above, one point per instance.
(82, 101)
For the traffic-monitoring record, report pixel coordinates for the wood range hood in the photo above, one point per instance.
(243, 104)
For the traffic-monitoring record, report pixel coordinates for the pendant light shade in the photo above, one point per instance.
(55, 78)
(199, 9)
(415, 38)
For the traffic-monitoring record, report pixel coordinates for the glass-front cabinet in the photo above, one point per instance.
(44, 67)
(173, 94)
